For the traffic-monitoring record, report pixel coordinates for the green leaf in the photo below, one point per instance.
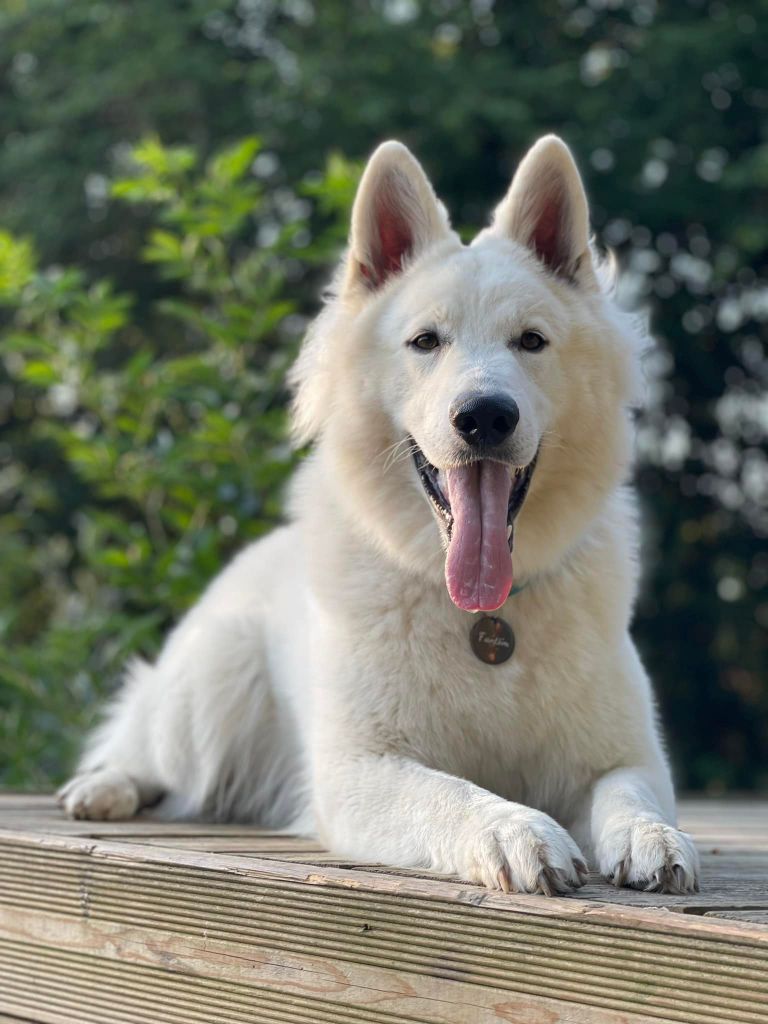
(17, 265)
(231, 164)
(163, 247)
(39, 373)
(163, 161)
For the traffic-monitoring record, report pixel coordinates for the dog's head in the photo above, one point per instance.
(491, 378)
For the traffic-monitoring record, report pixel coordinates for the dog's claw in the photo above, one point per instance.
(547, 882)
(655, 884)
(621, 873)
(555, 882)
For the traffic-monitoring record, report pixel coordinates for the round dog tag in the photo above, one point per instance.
(492, 640)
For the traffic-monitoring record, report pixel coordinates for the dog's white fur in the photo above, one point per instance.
(325, 681)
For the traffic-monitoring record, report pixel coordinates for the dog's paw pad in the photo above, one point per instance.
(532, 854)
(102, 795)
(650, 856)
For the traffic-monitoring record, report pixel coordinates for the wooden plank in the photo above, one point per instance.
(613, 961)
(254, 842)
(733, 877)
(231, 983)
(10, 799)
(186, 922)
(756, 916)
(295, 966)
(601, 899)
(352, 1000)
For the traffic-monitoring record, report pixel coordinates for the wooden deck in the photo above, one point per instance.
(148, 922)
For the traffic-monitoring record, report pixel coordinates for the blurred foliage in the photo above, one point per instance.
(137, 465)
(142, 421)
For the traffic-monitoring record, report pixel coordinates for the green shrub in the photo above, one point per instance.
(146, 438)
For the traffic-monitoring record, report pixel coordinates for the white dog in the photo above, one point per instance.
(345, 675)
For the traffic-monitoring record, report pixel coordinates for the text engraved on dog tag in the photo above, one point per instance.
(492, 640)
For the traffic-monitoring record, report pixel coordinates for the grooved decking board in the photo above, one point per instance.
(151, 921)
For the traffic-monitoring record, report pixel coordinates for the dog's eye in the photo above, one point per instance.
(532, 341)
(425, 341)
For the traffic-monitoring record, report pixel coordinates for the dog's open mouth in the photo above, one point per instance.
(476, 505)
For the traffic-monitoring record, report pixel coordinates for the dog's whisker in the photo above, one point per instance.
(405, 454)
(392, 448)
(397, 453)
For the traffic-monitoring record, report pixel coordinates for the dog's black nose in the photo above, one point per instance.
(484, 420)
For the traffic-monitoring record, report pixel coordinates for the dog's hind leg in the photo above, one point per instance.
(225, 742)
(201, 728)
(211, 726)
(116, 776)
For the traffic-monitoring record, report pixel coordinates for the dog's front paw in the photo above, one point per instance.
(651, 856)
(106, 794)
(526, 852)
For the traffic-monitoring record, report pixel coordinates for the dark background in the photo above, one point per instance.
(174, 182)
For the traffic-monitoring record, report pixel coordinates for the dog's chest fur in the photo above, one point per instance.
(523, 729)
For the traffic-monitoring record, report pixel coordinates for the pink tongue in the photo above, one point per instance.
(478, 569)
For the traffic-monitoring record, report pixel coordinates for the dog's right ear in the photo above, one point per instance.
(395, 217)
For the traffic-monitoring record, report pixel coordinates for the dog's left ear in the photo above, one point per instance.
(546, 210)
(395, 217)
